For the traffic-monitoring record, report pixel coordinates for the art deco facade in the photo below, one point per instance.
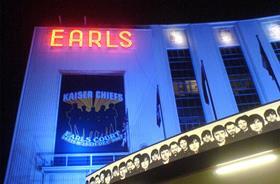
(241, 61)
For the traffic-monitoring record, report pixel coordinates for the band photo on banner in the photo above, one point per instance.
(92, 116)
(216, 134)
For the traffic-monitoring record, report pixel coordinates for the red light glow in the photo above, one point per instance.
(76, 36)
(95, 41)
(55, 37)
(90, 38)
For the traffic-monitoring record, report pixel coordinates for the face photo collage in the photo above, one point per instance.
(216, 134)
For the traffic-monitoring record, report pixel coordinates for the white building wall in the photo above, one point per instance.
(69, 178)
(144, 66)
(205, 48)
(38, 112)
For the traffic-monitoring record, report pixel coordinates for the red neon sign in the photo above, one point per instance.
(90, 38)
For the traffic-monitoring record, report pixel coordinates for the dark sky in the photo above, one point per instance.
(18, 19)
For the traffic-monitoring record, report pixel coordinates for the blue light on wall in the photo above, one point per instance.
(144, 67)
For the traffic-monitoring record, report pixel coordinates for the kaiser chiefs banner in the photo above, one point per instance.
(91, 117)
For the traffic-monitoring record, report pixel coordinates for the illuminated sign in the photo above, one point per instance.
(90, 38)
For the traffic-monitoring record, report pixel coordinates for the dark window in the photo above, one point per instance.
(276, 48)
(185, 88)
(240, 78)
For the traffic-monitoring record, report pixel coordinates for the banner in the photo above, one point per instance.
(91, 117)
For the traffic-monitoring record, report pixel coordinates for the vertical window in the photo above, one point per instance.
(187, 97)
(240, 79)
(272, 30)
(276, 47)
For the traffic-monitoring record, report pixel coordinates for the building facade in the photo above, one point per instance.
(161, 79)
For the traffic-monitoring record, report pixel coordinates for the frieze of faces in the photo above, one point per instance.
(216, 134)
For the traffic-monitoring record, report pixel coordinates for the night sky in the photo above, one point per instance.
(18, 19)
